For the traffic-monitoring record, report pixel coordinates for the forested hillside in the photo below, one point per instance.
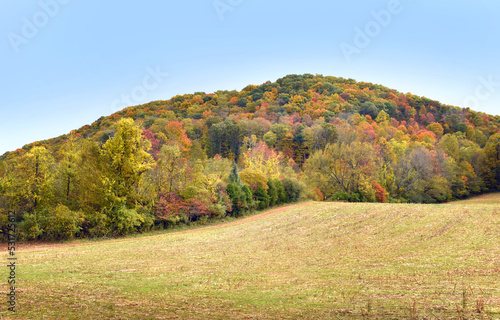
(204, 156)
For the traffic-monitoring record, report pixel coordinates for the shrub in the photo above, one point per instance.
(315, 194)
(348, 196)
(239, 198)
(272, 191)
(29, 227)
(276, 192)
(282, 196)
(169, 208)
(234, 192)
(261, 197)
(254, 178)
(219, 210)
(147, 217)
(124, 220)
(96, 224)
(195, 209)
(4, 222)
(61, 223)
(222, 203)
(293, 189)
(248, 198)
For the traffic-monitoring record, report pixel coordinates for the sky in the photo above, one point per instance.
(65, 63)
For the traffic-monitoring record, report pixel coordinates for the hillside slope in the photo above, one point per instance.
(313, 95)
(321, 260)
(200, 157)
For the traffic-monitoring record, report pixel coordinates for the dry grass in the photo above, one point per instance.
(312, 261)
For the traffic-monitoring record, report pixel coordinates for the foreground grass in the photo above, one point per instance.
(316, 261)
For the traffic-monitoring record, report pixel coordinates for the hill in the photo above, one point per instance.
(313, 96)
(200, 157)
(307, 261)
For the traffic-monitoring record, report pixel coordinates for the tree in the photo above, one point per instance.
(293, 189)
(345, 167)
(449, 144)
(261, 197)
(492, 152)
(302, 128)
(176, 135)
(91, 173)
(67, 168)
(406, 167)
(418, 179)
(225, 139)
(387, 156)
(34, 179)
(270, 138)
(172, 168)
(380, 192)
(264, 160)
(240, 194)
(382, 117)
(319, 136)
(405, 176)
(346, 132)
(254, 178)
(276, 192)
(369, 108)
(60, 223)
(7, 191)
(280, 130)
(126, 159)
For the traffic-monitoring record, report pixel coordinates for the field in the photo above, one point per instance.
(307, 261)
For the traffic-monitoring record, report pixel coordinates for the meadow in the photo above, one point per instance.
(313, 260)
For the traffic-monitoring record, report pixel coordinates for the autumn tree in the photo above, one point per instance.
(492, 152)
(209, 182)
(342, 167)
(68, 169)
(319, 136)
(263, 160)
(170, 169)
(126, 159)
(240, 194)
(34, 175)
(281, 131)
(172, 166)
(91, 172)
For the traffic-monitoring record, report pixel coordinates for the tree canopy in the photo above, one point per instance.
(204, 156)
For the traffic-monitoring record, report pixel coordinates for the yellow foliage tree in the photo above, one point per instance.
(34, 176)
(126, 159)
(253, 177)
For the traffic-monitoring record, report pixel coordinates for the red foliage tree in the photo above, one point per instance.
(380, 192)
(155, 143)
(171, 204)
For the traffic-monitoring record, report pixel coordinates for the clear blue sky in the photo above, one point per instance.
(65, 65)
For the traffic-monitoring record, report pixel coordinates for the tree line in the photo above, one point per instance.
(199, 157)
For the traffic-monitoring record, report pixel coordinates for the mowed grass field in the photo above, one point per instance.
(313, 260)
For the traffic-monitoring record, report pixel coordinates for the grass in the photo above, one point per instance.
(308, 261)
